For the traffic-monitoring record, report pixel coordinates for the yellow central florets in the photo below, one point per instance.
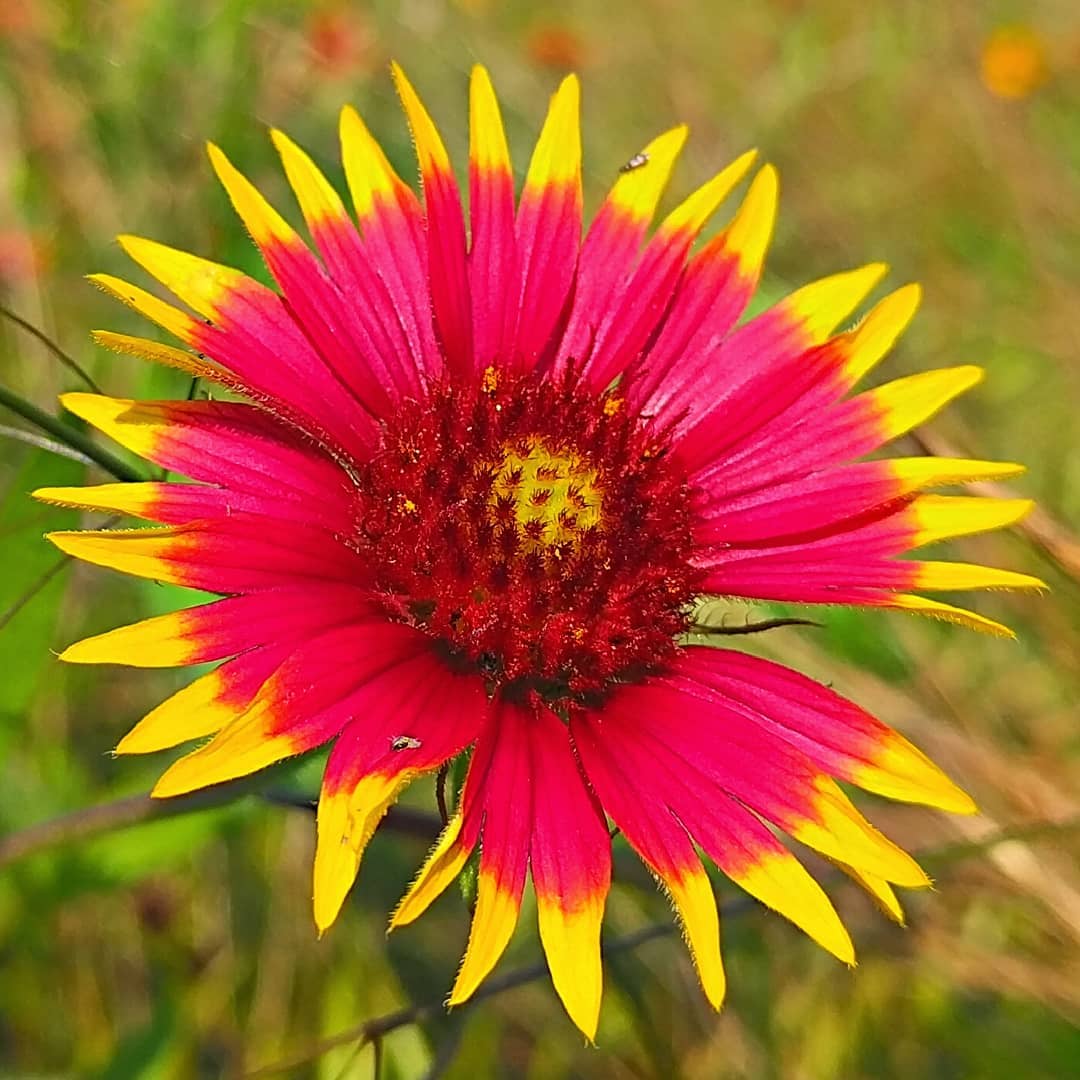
(555, 496)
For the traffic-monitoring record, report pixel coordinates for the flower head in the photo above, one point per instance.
(479, 478)
(1013, 63)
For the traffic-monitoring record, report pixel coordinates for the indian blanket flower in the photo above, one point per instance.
(477, 478)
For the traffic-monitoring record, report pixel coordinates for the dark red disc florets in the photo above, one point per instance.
(538, 530)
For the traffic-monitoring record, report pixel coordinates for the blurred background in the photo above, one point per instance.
(942, 138)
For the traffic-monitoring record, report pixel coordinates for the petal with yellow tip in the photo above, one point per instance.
(138, 499)
(342, 339)
(177, 322)
(759, 864)
(170, 504)
(905, 403)
(612, 245)
(205, 706)
(936, 609)
(836, 735)
(820, 307)
(898, 770)
(687, 220)
(326, 679)
(392, 268)
(493, 252)
(880, 891)
(570, 859)
(488, 150)
(692, 894)
(864, 347)
(266, 225)
(202, 285)
(429, 145)
(504, 850)
(235, 553)
(610, 753)
(713, 293)
(448, 279)
(346, 822)
(947, 576)
(942, 517)
(443, 865)
(197, 635)
(372, 181)
(548, 229)
(409, 720)
(626, 329)
(556, 160)
(835, 828)
(914, 474)
(747, 237)
(241, 748)
(498, 902)
(636, 192)
(171, 640)
(167, 355)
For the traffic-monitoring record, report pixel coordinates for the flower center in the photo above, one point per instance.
(536, 529)
(555, 495)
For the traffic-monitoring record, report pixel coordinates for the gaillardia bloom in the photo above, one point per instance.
(479, 478)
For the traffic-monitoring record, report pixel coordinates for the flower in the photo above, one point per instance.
(1013, 64)
(470, 501)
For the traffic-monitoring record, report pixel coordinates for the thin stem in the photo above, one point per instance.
(68, 435)
(346, 1069)
(70, 363)
(440, 793)
(750, 628)
(136, 809)
(38, 584)
(34, 588)
(32, 438)
(380, 1026)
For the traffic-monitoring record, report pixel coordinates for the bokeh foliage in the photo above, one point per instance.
(184, 947)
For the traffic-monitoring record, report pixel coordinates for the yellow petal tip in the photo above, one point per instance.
(129, 744)
(823, 305)
(62, 540)
(133, 244)
(148, 738)
(171, 783)
(77, 653)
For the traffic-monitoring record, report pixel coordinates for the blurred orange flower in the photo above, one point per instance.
(339, 38)
(554, 46)
(22, 256)
(1013, 62)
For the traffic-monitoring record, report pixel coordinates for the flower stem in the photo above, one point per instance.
(71, 364)
(68, 435)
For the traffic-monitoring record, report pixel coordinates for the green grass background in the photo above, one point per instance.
(185, 947)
